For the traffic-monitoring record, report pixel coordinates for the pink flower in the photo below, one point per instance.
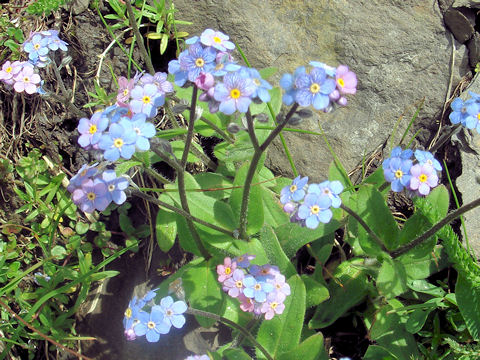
(247, 304)
(125, 86)
(424, 177)
(9, 70)
(271, 307)
(346, 80)
(205, 81)
(281, 288)
(26, 80)
(226, 270)
(216, 39)
(234, 285)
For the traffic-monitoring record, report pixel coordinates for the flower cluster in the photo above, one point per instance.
(466, 112)
(144, 317)
(417, 176)
(23, 75)
(226, 86)
(122, 128)
(321, 87)
(93, 189)
(198, 357)
(309, 204)
(260, 289)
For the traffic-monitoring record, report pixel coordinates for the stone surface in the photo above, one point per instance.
(468, 183)
(467, 3)
(459, 25)
(473, 46)
(399, 49)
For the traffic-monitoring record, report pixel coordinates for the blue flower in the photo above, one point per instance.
(118, 142)
(131, 314)
(295, 191)
(315, 209)
(328, 188)
(398, 173)
(179, 71)
(472, 120)
(36, 47)
(143, 129)
(287, 82)
(262, 86)
(116, 186)
(152, 325)
(459, 113)
(198, 59)
(234, 93)
(256, 289)
(426, 157)
(91, 129)
(146, 99)
(172, 312)
(314, 88)
(91, 195)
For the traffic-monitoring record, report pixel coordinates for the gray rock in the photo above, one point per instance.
(473, 46)
(468, 183)
(399, 50)
(467, 3)
(459, 25)
(77, 6)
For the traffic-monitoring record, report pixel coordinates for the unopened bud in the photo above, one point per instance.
(262, 118)
(233, 128)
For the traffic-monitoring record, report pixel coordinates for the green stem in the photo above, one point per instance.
(430, 232)
(139, 37)
(251, 130)
(232, 324)
(365, 226)
(181, 212)
(191, 124)
(253, 166)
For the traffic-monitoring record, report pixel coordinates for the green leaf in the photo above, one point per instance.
(416, 320)
(370, 205)
(467, 294)
(123, 167)
(241, 150)
(388, 330)
(336, 172)
(353, 289)
(165, 229)
(418, 267)
(217, 185)
(81, 228)
(316, 291)
(292, 237)
(416, 225)
(392, 278)
(236, 354)
(274, 251)
(255, 204)
(310, 349)
(59, 252)
(282, 333)
(375, 352)
(267, 72)
(203, 290)
(273, 211)
(426, 287)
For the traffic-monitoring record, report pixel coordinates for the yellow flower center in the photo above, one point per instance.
(169, 312)
(146, 99)
(151, 325)
(228, 271)
(118, 143)
(235, 93)
(8, 69)
(217, 39)
(398, 174)
(293, 188)
(314, 88)
(125, 92)
(423, 178)
(91, 196)
(257, 287)
(199, 62)
(273, 305)
(478, 116)
(36, 46)
(93, 129)
(315, 209)
(238, 284)
(341, 82)
(219, 66)
(128, 313)
(26, 79)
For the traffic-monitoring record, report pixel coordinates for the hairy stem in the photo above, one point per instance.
(232, 325)
(191, 124)
(365, 226)
(259, 150)
(430, 232)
